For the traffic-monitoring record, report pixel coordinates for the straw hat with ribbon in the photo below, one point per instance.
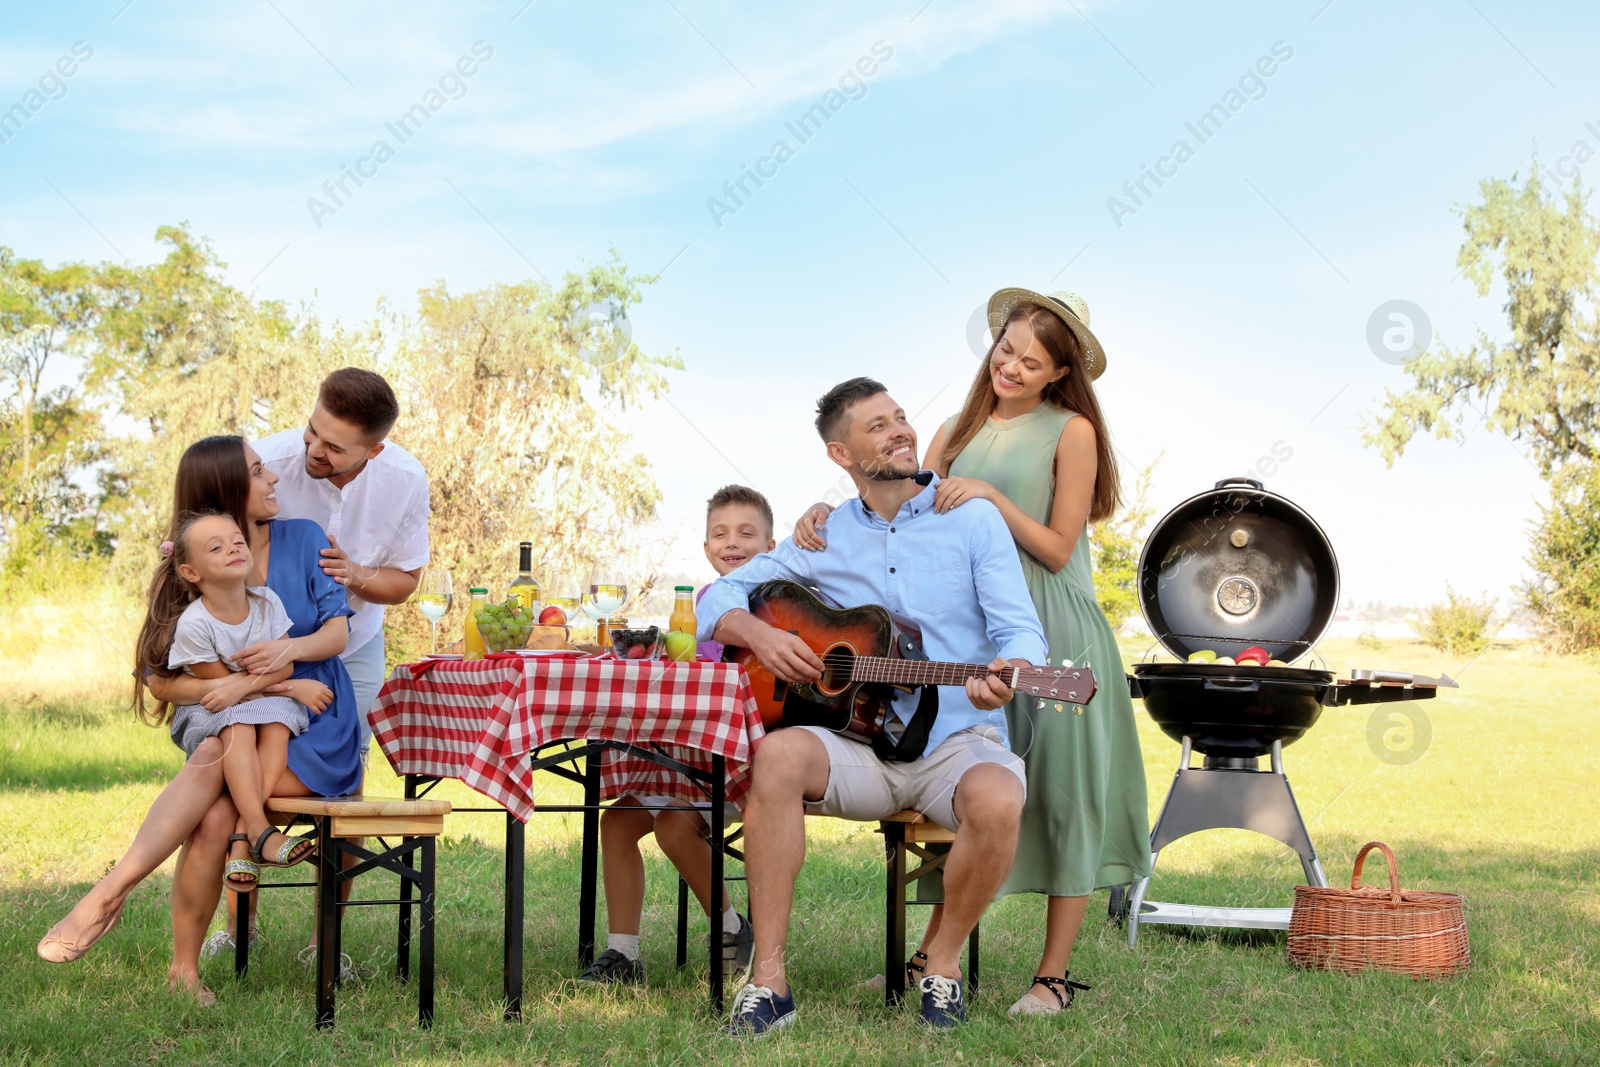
(1071, 308)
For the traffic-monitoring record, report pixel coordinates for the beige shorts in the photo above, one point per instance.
(864, 788)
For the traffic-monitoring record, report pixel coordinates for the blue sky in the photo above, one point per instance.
(980, 152)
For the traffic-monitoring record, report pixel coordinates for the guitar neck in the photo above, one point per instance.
(913, 672)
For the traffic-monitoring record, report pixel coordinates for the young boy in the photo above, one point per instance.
(738, 528)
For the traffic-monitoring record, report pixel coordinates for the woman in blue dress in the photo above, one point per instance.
(224, 474)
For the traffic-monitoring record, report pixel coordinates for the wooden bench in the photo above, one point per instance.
(903, 832)
(340, 823)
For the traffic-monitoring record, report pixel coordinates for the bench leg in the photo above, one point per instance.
(516, 846)
(683, 924)
(972, 965)
(894, 961)
(425, 953)
(241, 944)
(328, 915)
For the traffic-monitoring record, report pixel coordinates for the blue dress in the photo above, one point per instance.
(326, 756)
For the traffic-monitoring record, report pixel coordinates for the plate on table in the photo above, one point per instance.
(534, 652)
(442, 655)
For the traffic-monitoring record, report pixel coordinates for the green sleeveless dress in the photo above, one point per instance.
(1086, 824)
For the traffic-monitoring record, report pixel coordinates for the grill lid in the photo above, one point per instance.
(1238, 566)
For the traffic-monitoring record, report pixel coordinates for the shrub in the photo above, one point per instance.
(1459, 625)
(1368, 639)
(1564, 594)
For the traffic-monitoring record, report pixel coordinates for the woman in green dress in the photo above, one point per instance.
(1031, 440)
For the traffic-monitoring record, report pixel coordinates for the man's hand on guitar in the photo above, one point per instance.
(785, 655)
(990, 694)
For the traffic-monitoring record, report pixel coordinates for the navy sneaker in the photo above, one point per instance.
(738, 949)
(612, 966)
(757, 1011)
(942, 1005)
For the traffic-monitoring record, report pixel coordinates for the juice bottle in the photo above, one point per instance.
(682, 625)
(472, 646)
(523, 587)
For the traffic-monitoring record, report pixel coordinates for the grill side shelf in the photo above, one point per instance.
(1348, 692)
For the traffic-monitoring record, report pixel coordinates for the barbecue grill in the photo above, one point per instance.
(1225, 570)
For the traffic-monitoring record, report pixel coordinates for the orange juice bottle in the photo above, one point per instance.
(682, 625)
(472, 645)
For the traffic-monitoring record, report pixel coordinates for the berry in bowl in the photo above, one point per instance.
(636, 644)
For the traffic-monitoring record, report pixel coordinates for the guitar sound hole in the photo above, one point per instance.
(836, 664)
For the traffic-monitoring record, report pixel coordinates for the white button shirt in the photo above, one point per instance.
(380, 518)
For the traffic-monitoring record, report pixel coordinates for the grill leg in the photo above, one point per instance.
(894, 942)
(328, 877)
(425, 953)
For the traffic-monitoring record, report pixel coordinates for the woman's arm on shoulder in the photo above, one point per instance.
(1076, 463)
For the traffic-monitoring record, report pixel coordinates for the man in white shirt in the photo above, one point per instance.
(370, 497)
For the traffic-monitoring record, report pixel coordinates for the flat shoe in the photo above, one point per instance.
(53, 948)
(1061, 988)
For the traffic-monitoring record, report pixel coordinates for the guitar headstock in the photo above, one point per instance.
(1074, 685)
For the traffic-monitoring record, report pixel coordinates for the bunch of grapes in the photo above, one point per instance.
(505, 625)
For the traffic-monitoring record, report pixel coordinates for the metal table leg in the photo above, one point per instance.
(516, 842)
(718, 904)
(894, 965)
(591, 855)
(328, 874)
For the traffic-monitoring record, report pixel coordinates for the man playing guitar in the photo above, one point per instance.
(957, 575)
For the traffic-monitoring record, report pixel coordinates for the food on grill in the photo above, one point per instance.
(1203, 655)
(1276, 663)
(1224, 661)
(1254, 654)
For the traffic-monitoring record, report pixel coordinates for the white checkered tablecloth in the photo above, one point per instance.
(481, 721)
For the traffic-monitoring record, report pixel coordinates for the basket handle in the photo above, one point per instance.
(1394, 871)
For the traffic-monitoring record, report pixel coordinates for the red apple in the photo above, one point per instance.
(552, 616)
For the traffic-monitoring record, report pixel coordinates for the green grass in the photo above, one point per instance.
(1502, 808)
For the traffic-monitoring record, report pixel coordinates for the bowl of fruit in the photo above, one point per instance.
(636, 644)
(504, 626)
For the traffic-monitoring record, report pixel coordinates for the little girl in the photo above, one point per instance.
(201, 615)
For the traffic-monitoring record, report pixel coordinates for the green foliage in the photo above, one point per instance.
(1564, 593)
(1458, 625)
(1115, 546)
(1542, 387)
(1368, 639)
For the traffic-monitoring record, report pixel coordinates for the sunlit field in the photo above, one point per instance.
(1500, 807)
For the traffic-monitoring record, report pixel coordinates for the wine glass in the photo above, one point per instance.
(608, 589)
(434, 594)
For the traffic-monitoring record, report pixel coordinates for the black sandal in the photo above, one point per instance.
(1062, 988)
(913, 964)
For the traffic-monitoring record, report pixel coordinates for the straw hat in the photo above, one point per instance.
(1071, 308)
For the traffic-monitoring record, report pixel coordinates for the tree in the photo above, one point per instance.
(1115, 545)
(46, 315)
(509, 397)
(1542, 386)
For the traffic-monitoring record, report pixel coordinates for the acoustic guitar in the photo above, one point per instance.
(868, 653)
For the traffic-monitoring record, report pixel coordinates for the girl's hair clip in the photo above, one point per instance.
(165, 550)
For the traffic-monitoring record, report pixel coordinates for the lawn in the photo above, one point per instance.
(1501, 808)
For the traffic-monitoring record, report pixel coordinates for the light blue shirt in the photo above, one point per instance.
(957, 575)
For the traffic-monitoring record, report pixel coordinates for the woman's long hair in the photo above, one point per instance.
(212, 480)
(1074, 392)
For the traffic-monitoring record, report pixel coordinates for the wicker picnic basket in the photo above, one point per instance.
(1423, 935)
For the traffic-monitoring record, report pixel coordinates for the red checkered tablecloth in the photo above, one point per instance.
(481, 721)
